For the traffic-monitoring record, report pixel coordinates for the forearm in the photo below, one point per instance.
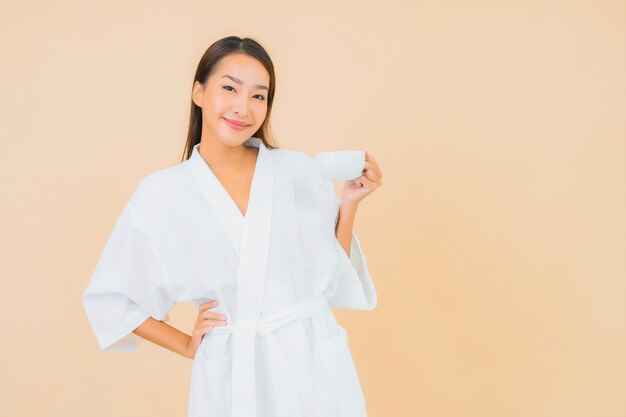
(345, 224)
(164, 335)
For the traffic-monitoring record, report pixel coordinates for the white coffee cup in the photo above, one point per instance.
(340, 165)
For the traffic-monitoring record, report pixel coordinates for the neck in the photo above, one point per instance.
(225, 159)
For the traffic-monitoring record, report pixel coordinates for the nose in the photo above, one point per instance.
(240, 106)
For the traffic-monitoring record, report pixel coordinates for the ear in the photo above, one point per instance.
(197, 93)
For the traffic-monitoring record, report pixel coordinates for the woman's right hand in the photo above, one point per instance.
(204, 323)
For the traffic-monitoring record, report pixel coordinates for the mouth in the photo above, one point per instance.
(235, 124)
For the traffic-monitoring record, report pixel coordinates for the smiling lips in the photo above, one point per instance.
(235, 124)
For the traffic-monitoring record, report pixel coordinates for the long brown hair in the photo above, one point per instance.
(206, 67)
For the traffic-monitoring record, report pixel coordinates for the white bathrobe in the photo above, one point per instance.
(276, 272)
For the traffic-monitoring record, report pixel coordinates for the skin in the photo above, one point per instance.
(221, 146)
(233, 164)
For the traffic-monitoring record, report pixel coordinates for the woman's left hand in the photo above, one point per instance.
(357, 189)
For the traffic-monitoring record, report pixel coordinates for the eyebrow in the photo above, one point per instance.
(238, 81)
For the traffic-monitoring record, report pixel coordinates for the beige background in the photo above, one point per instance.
(497, 242)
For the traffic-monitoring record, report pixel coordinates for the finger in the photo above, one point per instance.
(369, 184)
(373, 166)
(205, 330)
(212, 322)
(214, 315)
(201, 320)
(369, 166)
(208, 315)
(208, 304)
(372, 172)
(370, 157)
(371, 175)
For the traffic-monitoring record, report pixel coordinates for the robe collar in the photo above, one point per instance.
(225, 209)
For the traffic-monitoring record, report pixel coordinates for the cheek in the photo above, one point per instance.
(260, 113)
(218, 103)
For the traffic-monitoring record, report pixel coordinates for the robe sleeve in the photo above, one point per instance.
(127, 287)
(352, 286)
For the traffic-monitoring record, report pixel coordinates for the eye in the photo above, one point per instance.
(258, 95)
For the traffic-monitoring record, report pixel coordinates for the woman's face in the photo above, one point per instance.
(237, 90)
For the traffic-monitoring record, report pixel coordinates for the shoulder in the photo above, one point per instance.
(300, 167)
(160, 188)
(167, 176)
(289, 154)
(301, 161)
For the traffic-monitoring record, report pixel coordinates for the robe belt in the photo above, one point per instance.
(243, 400)
(268, 324)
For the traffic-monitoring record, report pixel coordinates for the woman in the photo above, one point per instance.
(258, 240)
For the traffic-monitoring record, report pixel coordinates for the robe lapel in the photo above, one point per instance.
(251, 277)
(225, 209)
(250, 238)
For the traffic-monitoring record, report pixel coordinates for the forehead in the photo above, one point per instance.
(244, 67)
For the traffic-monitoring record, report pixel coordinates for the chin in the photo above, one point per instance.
(234, 140)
